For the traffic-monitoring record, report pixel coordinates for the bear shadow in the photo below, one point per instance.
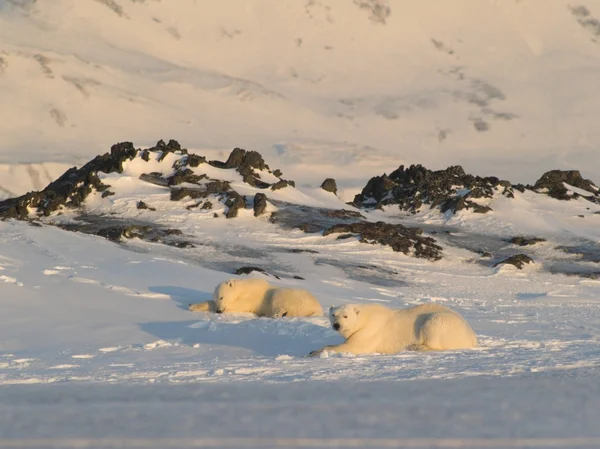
(181, 295)
(262, 336)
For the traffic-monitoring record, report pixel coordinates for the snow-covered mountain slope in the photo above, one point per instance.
(500, 87)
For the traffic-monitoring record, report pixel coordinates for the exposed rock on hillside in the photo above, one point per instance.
(398, 237)
(414, 187)
(553, 183)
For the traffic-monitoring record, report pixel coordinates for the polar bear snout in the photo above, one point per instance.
(336, 326)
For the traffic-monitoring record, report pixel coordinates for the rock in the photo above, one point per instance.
(449, 190)
(193, 160)
(72, 188)
(115, 233)
(245, 162)
(341, 213)
(260, 204)
(234, 202)
(525, 241)
(329, 185)
(185, 175)
(301, 250)
(553, 181)
(142, 205)
(518, 260)
(280, 184)
(398, 237)
(248, 270)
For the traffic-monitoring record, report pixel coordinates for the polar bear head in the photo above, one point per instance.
(223, 295)
(345, 319)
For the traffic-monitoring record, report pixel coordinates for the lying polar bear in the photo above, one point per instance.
(373, 328)
(261, 298)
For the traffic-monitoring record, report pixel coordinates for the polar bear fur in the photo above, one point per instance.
(261, 298)
(373, 328)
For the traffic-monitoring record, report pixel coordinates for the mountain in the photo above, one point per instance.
(502, 88)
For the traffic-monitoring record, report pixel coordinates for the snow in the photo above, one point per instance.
(97, 347)
(497, 87)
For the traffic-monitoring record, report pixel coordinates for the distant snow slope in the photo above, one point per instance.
(501, 87)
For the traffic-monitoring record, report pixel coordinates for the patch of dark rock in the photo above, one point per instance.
(155, 178)
(207, 205)
(329, 185)
(166, 148)
(299, 277)
(193, 160)
(70, 189)
(518, 260)
(485, 254)
(107, 193)
(398, 237)
(300, 250)
(234, 202)
(344, 236)
(260, 204)
(116, 233)
(526, 241)
(245, 162)
(185, 175)
(248, 270)
(142, 205)
(173, 232)
(342, 213)
(215, 215)
(450, 190)
(202, 191)
(281, 184)
(554, 182)
(278, 173)
(179, 243)
(145, 155)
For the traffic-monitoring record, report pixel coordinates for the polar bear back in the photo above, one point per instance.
(263, 299)
(440, 328)
(293, 302)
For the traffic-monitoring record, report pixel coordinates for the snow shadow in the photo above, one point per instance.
(262, 336)
(181, 295)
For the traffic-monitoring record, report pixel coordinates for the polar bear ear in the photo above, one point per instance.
(356, 310)
(230, 282)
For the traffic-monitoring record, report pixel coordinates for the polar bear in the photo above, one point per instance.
(373, 328)
(261, 298)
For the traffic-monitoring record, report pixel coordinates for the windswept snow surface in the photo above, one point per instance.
(503, 88)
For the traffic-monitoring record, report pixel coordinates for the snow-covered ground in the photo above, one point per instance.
(97, 347)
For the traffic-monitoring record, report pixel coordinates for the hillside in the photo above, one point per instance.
(502, 87)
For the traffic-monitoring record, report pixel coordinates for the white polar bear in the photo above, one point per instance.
(261, 298)
(373, 328)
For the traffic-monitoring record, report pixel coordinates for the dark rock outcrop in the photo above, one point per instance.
(260, 204)
(518, 260)
(72, 188)
(553, 183)
(234, 202)
(526, 241)
(413, 187)
(329, 185)
(398, 237)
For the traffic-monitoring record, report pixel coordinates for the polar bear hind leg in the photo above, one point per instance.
(445, 330)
